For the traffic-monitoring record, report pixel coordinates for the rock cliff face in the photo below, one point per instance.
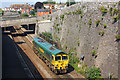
(90, 29)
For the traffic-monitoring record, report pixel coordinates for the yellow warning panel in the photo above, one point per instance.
(41, 50)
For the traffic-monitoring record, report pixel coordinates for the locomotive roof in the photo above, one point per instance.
(47, 46)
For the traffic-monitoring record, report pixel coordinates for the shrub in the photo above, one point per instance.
(103, 10)
(115, 18)
(119, 3)
(48, 15)
(47, 34)
(57, 24)
(78, 43)
(62, 17)
(105, 25)
(90, 22)
(93, 73)
(19, 12)
(73, 12)
(97, 22)
(93, 52)
(79, 11)
(117, 37)
(36, 20)
(81, 15)
(75, 53)
(108, 6)
(43, 17)
(119, 14)
(24, 15)
(69, 13)
(115, 11)
(65, 46)
(56, 17)
(111, 10)
(83, 6)
(50, 18)
(75, 59)
(101, 18)
(101, 33)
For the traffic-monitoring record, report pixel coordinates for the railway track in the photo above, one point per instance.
(26, 45)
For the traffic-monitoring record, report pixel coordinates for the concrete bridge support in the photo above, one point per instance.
(36, 29)
(28, 26)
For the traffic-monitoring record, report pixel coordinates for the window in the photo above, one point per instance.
(57, 58)
(52, 58)
(64, 57)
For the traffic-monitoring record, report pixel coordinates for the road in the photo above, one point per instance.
(11, 66)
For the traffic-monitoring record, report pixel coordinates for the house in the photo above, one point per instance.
(41, 12)
(60, 6)
(24, 8)
(49, 6)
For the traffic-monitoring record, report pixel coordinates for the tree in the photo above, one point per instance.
(71, 2)
(19, 12)
(45, 2)
(38, 5)
(1, 11)
(32, 12)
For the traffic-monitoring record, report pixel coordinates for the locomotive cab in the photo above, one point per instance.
(61, 61)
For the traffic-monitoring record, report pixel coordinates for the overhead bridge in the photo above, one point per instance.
(18, 21)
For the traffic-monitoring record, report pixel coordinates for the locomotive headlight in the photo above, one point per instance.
(55, 65)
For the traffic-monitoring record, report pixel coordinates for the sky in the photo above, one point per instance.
(7, 3)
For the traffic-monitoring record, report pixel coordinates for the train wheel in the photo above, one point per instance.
(65, 71)
(55, 71)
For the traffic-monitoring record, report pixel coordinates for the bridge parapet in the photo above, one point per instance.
(20, 21)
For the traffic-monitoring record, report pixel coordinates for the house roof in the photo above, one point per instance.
(43, 10)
